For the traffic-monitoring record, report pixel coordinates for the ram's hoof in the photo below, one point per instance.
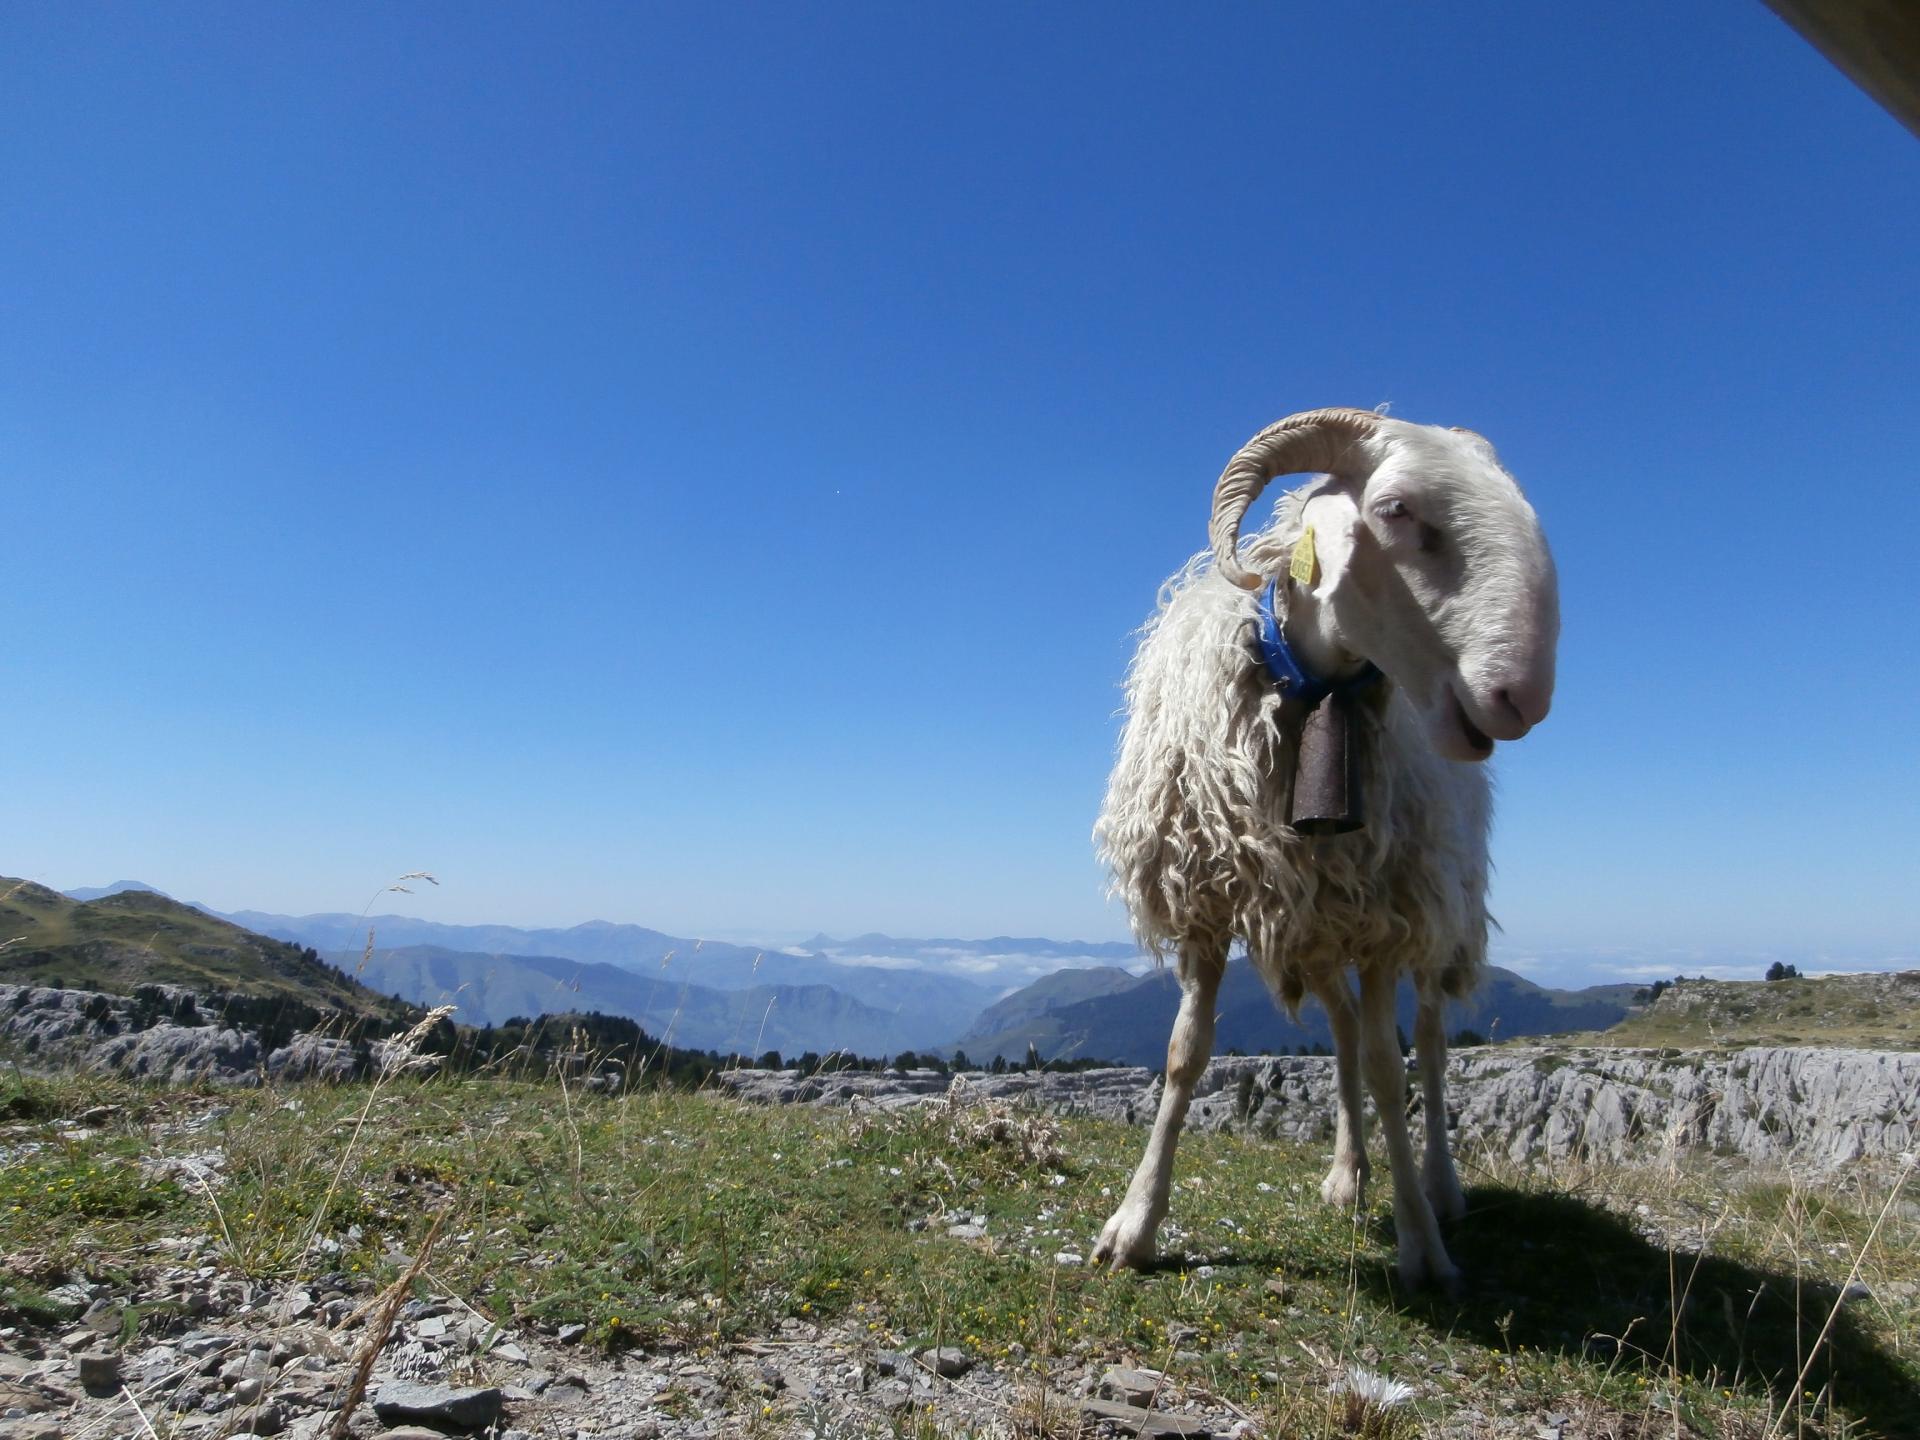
(1430, 1271)
(1449, 1202)
(1345, 1185)
(1127, 1241)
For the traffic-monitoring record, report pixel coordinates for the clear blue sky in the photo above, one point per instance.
(701, 464)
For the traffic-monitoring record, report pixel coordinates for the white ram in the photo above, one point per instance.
(1422, 559)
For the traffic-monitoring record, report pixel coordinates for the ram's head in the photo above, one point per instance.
(1430, 563)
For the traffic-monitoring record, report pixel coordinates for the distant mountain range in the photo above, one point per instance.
(790, 1018)
(869, 994)
(714, 996)
(633, 948)
(1116, 1015)
(119, 887)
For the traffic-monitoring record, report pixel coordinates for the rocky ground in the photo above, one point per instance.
(236, 1360)
(247, 1360)
(169, 1342)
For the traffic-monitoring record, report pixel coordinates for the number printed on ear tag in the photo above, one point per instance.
(1305, 565)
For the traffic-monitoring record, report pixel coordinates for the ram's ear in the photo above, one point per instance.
(1333, 517)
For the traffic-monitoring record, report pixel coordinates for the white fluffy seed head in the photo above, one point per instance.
(1372, 1387)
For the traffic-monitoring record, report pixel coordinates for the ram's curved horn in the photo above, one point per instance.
(1312, 440)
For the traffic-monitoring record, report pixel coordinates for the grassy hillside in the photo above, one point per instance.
(1879, 1012)
(1612, 1303)
(138, 937)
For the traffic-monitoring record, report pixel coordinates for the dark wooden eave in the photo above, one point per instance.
(1876, 44)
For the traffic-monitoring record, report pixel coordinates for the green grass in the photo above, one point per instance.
(1627, 1297)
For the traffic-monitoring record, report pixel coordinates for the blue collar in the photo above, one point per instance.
(1288, 673)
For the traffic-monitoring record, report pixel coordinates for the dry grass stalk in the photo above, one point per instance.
(1853, 1274)
(379, 1327)
(403, 1054)
(576, 1047)
(993, 1124)
(399, 884)
(219, 1215)
(146, 1425)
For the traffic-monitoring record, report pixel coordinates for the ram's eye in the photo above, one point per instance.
(1395, 510)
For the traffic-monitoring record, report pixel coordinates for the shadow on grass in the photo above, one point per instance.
(1554, 1273)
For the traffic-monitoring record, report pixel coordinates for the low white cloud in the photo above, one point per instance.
(874, 962)
(1006, 970)
(977, 964)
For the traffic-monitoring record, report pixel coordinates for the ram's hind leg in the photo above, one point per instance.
(1430, 1039)
(1423, 1255)
(1128, 1237)
(1346, 1182)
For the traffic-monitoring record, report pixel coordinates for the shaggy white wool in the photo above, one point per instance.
(1194, 828)
(1428, 562)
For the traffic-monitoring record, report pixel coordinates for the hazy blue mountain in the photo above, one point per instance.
(1096, 1015)
(909, 990)
(1031, 1014)
(118, 887)
(489, 989)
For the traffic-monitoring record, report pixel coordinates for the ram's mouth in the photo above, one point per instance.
(1478, 744)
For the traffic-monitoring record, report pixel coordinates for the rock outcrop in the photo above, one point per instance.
(90, 1030)
(1811, 1108)
(1815, 1109)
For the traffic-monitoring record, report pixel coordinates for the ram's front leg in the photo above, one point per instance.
(1128, 1237)
(1346, 1183)
(1441, 1181)
(1423, 1254)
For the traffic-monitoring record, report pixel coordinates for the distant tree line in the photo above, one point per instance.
(275, 1019)
(619, 1053)
(812, 1062)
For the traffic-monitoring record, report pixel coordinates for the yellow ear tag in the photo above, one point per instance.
(1305, 565)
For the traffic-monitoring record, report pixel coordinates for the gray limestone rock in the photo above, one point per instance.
(1136, 1387)
(472, 1408)
(100, 1374)
(948, 1361)
(96, 1031)
(1816, 1109)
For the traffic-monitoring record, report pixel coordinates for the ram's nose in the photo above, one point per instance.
(1523, 703)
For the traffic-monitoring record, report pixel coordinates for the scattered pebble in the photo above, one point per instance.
(948, 1361)
(100, 1374)
(467, 1408)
